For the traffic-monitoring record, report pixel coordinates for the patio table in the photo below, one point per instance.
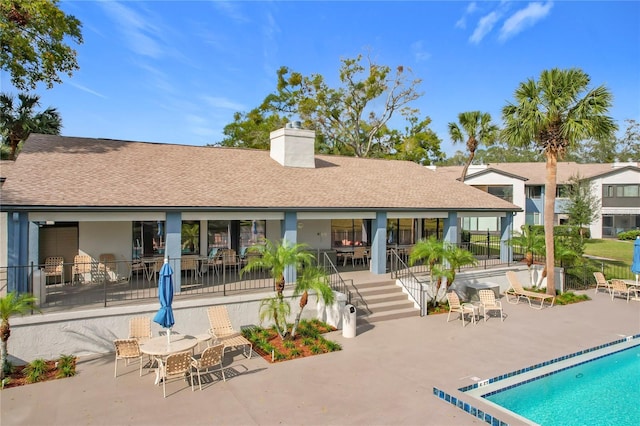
(635, 286)
(160, 348)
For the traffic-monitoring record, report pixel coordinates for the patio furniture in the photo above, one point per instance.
(82, 269)
(359, 254)
(602, 282)
(127, 349)
(189, 264)
(107, 266)
(222, 330)
(462, 308)
(489, 303)
(54, 267)
(211, 357)
(230, 259)
(518, 292)
(175, 366)
(140, 329)
(623, 289)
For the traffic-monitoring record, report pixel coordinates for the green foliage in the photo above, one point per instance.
(344, 115)
(289, 344)
(332, 346)
(190, 234)
(66, 366)
(629, 235)
(583, 205)
(275, 309)
(19, 120)
(36, 370)
(8, 368)
(33, 36)
(476, 128)
(308, 341)
(569, 297)
(316, 349)
(295, 352)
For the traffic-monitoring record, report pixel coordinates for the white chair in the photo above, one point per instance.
(140, 329)
(127, 349)
(211, 357)
(602, 282)
(489, 303)
(461, 308)
(622, 289)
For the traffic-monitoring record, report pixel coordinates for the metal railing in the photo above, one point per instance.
(407, 278)
(336, 282)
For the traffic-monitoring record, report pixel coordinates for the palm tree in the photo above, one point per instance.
(431, 252)
(478, 129)
(19, 121)
(190, 236)
(456, 257)
(555, 113)
(10, 305)
(276, 309)
(532, 242)
(276, 257)
(312, 278)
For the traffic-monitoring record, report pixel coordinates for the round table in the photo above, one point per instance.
(160, 347)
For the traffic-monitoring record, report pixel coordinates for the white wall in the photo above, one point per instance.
(519, 198)
(315, 233)
(96, 238)
(620, 178)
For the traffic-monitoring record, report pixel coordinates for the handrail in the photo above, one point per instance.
(405, 276)
(336, 282)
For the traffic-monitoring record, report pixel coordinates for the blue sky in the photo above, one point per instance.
(176, 71)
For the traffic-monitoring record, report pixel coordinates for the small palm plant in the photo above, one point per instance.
(10, 305)
(276, 257)
(312, 278)
(531, 240)
(276, 309)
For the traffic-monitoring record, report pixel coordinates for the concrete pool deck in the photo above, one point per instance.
(383, 376)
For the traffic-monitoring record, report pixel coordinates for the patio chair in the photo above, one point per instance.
(211, 357)
(489, 303)
(54, 267)
(82, 269)
(140, 329)
(190, 265)
(127, 349)
(602, 282)
(222, 330)
(359, 255)
(517, 291)
(462, 308)
(230, 259)
(108, 267)
(621, 288)
(175, 366)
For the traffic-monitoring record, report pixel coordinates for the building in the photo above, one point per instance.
(68, 196)
(616, 186)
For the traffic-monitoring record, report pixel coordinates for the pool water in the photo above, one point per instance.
(605, 391)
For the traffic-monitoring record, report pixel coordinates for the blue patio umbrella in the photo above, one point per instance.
(164, 317)
(635, 265)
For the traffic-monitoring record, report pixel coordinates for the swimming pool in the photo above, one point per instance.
(596, 386)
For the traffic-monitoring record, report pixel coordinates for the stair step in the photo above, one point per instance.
(386, 317)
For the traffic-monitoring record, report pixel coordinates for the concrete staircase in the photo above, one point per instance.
(380, 301)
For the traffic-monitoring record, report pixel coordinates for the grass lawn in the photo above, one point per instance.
(612, 249)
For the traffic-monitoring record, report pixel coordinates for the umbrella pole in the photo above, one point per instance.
(169, 336)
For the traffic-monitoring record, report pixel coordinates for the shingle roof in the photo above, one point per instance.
(536, 172)
(70, 172)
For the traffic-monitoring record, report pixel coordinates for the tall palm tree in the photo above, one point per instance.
(554, 114)
(312, 278)
(10, 305)
(478, 129)
(532, 242)
(276, 257)
(18, 121)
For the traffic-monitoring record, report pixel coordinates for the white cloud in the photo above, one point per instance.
(524, 18)
(86, 89)
(419, 52)
(484, 27)
(462, 22)
(218, 102)
(472, 7)
(231, 10)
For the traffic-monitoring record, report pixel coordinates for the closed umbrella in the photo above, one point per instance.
(635, 265)
(164, 317)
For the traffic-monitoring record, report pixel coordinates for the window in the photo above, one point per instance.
(148, 239)
(627, 190)
(350, 232)
(432, 227)
(190, 237)
(533, 191)
(607, 191)
(562, 191)
(252, 232)
(218, 234)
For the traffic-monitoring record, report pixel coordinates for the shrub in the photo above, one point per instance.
(36, 370)
(629, 235)
(66, 366)
(569, 297)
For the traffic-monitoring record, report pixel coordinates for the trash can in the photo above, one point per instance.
(349, 321)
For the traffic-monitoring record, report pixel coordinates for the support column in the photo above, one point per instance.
(451, 228)
(290, 236)
(379, 244)
(17, 251)
(506, 230)
(173, 246)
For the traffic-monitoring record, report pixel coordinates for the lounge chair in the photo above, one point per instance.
(518, 292)
(140, 329)
(222, 330)
(622, 289)
(461, 308)
(489, 303)
(210, 357)
(602, 282)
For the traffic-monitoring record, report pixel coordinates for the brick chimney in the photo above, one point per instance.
(293, 146)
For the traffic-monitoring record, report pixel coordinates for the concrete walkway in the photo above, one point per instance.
(383, 376)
